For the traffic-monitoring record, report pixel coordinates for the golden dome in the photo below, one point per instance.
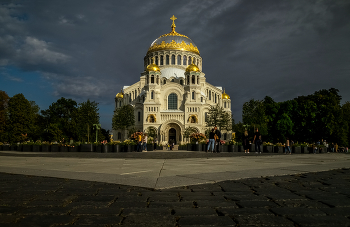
(152, 67)
(173, 41)
(192, 68)
(120, 94)
(225, 96)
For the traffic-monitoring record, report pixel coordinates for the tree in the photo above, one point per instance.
(188, 131)
(123, 118)
(83, 119)
(254, 115)
(346, 120)
(217, 116)
(21, 118)
(61, 114)
(4, 98)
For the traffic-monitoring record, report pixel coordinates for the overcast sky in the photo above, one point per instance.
(90, 49)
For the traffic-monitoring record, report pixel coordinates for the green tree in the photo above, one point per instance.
(83, 119)
(21, 118)
(123, 118)
(188, 131)
(61, 114)
(346, 120)
(217, 116)
(254, 115)
(4, 99)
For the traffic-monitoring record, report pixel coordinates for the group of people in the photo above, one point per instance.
(214, 140)
(256, 140)
(142, 142)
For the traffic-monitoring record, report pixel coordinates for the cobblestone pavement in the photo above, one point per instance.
(308, 199)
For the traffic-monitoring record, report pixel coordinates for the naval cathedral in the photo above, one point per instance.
(172, 93)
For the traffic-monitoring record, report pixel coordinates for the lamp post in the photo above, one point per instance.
(97, 127)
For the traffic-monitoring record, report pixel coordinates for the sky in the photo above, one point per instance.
(86, 49)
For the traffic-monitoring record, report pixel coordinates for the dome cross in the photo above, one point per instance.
(173, 26)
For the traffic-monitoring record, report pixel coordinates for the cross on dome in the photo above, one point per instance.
(173, 26)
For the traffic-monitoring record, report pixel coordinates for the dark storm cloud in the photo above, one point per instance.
(90, 49)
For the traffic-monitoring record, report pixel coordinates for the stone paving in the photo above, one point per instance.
(307, 199)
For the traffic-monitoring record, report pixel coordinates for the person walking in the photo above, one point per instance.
(139, 142)
(336, 147)
(144, 145)
(218, 137)
(315, 148)
(257, 141)
(246, 145)
(211, 141)
(287, 147)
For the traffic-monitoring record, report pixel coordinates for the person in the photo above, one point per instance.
(246, 144)
(287, 147)
(331, 146)
(139, 142)
(218, 137)
(315, 148)
(211, 141)
(155, 144)
(257, 140)
(336, 147)
(145, 143)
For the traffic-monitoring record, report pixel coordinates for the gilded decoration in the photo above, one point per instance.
(120, 94)
(152, 67)
(192, 119)
(225, 96)
(174, 46)
(151, 118)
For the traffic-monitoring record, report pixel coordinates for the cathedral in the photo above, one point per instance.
(172, 93)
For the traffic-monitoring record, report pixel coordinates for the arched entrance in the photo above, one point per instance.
(172, 136)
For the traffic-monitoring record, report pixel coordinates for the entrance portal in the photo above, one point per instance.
(172, 136)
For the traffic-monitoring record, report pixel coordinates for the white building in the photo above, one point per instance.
(172, 93)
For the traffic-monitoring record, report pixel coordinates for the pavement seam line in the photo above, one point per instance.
(160, 171)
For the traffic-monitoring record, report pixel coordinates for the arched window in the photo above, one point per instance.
(120, 103)
(172, 80)
(156, 61)
(152, 94)
(147, 79)
(188, 80)
(135, 93)
(164, 81)
(133, 97)
(194, 60)
(209, 95)
(184, 60)
(161, 60)
(189, 60)
(179, 59)
(181, 82)
(215, 98)
(192, 94)
(172, 101)
(206, 116)
(139, 116)
(173, 59)
(167, 59)
(119, 136)
(152, 79)
(224, 104)
(193, 79)
(130, 97)
(201, 99)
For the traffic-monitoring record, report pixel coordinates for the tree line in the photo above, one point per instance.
(22, 120)
(311, 118)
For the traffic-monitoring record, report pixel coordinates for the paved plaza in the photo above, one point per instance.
(174, 189)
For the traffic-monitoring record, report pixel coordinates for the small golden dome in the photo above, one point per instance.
(192, 68)
(225, 96)
(120, 94)
(152, 67)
